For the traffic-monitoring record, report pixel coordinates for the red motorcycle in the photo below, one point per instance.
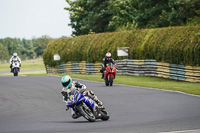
(109, 74)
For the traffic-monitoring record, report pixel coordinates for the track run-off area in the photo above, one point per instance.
(33, 104)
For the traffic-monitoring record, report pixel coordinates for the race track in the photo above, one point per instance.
(33, 104)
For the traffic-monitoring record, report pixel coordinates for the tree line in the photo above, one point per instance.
(23, 47)
(99, 16)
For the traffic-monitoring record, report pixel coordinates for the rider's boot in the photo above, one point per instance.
(102, 76)
(100, 104)
(95, 98)
(67, 108)
(75, 115)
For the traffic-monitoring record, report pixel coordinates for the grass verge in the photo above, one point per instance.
(26, 73)
(26, 65)
(151, 82)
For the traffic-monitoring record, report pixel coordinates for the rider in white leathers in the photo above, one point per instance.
(14, 58)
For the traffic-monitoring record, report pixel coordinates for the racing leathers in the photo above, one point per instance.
(105, 61)
(82, 89)
(14, 58)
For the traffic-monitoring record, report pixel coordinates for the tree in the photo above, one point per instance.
(4, 55)
(89, 16)
(124, 12)
(11, 44)
(40, 44)
(25, 48)
(113, 15)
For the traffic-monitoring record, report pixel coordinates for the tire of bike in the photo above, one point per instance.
(111, 80)
(106, 81)
(86, 113)
(15, 72)
(104, 115)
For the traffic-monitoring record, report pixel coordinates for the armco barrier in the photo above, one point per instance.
(90, 68)
(75, 67)
(82, 67)
(134, 67)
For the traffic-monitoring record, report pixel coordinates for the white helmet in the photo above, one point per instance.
(108, 55)
(15, 54)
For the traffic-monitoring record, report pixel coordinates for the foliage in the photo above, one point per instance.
(178, 45)
(39, 44)
(25, 48)
(115, 15)
(89, 16)
(4, 52)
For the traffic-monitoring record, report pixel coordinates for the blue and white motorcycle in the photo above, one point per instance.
(86, 107)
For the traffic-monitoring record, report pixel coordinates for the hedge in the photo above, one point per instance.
(174, 45)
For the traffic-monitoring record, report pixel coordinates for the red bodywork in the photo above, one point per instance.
(110, 70)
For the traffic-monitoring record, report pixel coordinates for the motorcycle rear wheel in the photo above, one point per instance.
(104, 116)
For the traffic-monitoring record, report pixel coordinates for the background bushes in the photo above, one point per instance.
(175, 45)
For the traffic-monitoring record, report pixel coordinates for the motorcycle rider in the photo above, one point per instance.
(15, 58)
(105, 61)
(69, 85)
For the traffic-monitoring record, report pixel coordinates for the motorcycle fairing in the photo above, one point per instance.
(78, 97)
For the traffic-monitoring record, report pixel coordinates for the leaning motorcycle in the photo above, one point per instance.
(86, 107)
(15, 68)
(109, 74)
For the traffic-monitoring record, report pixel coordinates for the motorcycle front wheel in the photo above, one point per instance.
(86, 113)
(111, 80)
(106, 81)
(15, 72)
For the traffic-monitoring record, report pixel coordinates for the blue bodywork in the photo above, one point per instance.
(77, 97)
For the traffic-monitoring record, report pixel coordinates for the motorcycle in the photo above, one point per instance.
(86, 107)
(15, 68)
(109, 74)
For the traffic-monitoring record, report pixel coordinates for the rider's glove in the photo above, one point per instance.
(64, 93)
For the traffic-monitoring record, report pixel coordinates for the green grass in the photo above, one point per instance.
(26, 73)
(26, 65)
(151, 82)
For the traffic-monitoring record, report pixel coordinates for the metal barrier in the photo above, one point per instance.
(75, 67)
(134, 67)
(90, 68)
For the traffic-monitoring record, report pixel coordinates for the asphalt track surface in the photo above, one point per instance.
(33, 104)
